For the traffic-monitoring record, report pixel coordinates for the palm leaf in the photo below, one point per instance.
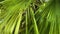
(29, 17)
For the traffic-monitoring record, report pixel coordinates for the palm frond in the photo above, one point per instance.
(29, 17)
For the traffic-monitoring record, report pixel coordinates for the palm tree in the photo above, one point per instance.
(29, 17)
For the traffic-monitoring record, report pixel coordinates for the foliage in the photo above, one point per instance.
(29, 17)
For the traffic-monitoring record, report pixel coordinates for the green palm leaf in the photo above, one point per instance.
(29, 17)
